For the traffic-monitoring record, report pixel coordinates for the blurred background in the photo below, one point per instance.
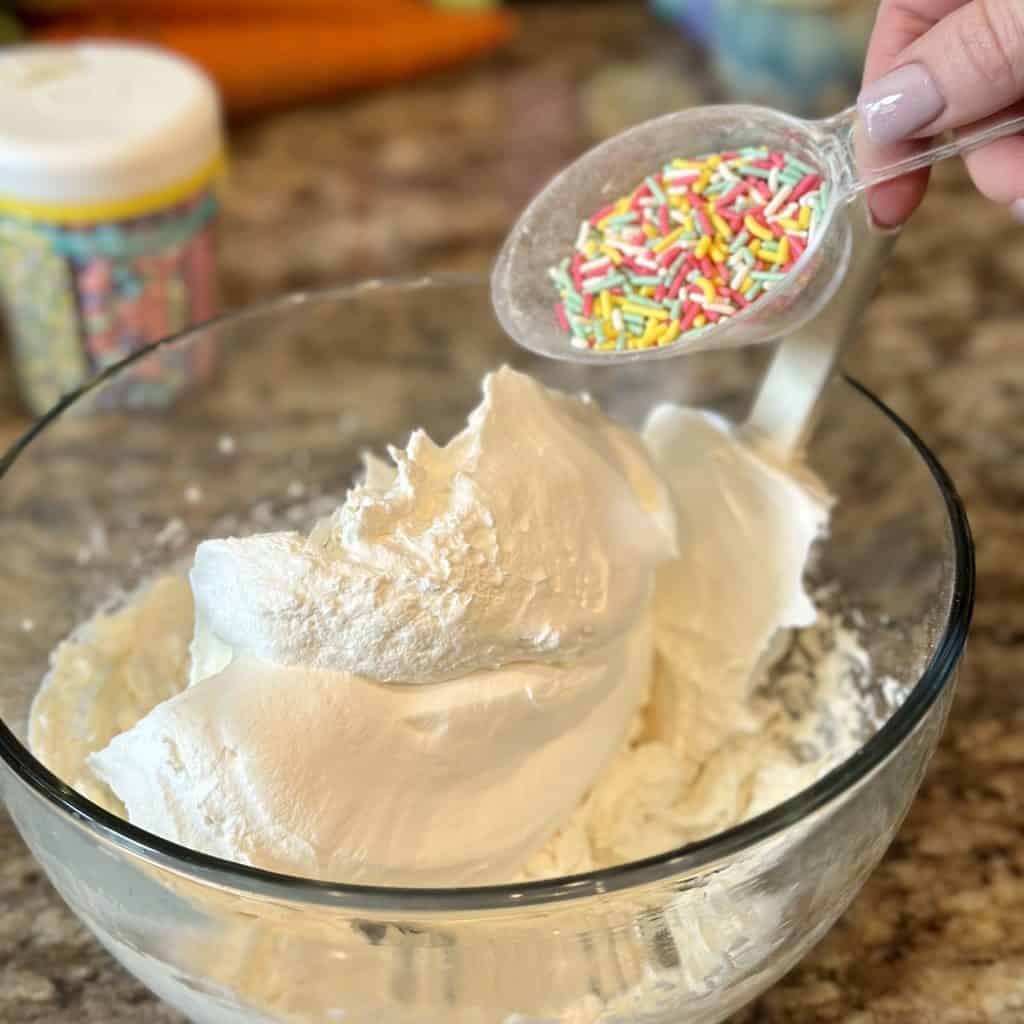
(379, 137)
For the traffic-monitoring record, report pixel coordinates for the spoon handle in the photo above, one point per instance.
(861, 164)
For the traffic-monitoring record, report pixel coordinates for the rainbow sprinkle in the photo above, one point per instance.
(691, 245)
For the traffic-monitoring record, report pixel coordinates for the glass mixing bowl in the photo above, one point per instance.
(90, 505)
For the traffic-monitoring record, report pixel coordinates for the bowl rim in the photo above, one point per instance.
(689, 858)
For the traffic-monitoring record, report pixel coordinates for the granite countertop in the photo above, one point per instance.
(429, 176)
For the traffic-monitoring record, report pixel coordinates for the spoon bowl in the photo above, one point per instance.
(524, 299)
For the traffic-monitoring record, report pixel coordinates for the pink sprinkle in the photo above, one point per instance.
(668, 257)
(707, 268)
(588, 305)
(738, 297)
(760, 188)
(601, 214)
(796, 249)
(729, 155)
(712, 316)
(563, 320)
(702, 220)
(659, 293)
(777, 229)
(598, 271)
(577, 275)
(692, 309)
(663, 220)
(735, 222)
(677, 284)
(731, 196)
(806, 183)
(778, 160)
(765, 164)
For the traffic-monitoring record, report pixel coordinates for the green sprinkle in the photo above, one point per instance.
(620, 343)
(656, 190)
(635, 325)
(573, 302)
(598, 284)
(641, 300)
(623, 218)
(800, 165)
(648, 279)
(675, 308)
(739, 241)
(677, 265)
(757, 172)
(599, 330)
(766, 275)
(769, 247)
(753, 291)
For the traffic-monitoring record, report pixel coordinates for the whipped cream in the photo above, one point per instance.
(531, 651)
(422, 690)
(533, 535)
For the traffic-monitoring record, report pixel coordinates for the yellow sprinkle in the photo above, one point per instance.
(650, 230)
(700, 320)
(669, 334)
(605, 346)
(622, 206)
(701, 183)
(714, 160)
(687, 165)
(647, 311)
(755, 229)
(613, 254)
(789, 224)
(604, 300)
(804, 218)
(647, 291)
(706, 287)
(590, 250)
(662, 244)
(718, 254)
(748, 282)
(783, 250)
(755, 247)
(721, 226)
(703, 247)
(773, 257)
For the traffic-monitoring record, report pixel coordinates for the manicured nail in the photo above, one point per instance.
(900, 103)
(1017, 210)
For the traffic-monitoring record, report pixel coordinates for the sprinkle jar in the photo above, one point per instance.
(110, 158)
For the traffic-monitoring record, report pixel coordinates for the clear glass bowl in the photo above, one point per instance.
(90, 505)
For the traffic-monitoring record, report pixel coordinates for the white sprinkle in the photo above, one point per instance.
(676, 216)
(598, 264)
(646, 263)
(617, 322)
(738, 278)
(578, 342)
(773, 179)
(584, 234)
(720, 307)
(777, 200)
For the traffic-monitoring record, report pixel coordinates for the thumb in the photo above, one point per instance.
(967, 66)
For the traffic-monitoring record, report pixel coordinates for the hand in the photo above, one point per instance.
(934, 65)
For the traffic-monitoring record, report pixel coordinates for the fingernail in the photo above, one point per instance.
(900, 103)
(1017, 210)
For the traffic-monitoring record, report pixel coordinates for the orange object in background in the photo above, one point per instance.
(263, 62)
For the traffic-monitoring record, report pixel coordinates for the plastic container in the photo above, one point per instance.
(110, 157)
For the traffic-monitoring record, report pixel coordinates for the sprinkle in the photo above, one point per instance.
(695, 243)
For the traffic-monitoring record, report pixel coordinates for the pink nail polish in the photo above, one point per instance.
(900, 103)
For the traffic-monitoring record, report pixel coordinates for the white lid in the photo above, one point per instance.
(94, 124)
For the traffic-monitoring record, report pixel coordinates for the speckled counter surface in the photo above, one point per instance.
(429, 176)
